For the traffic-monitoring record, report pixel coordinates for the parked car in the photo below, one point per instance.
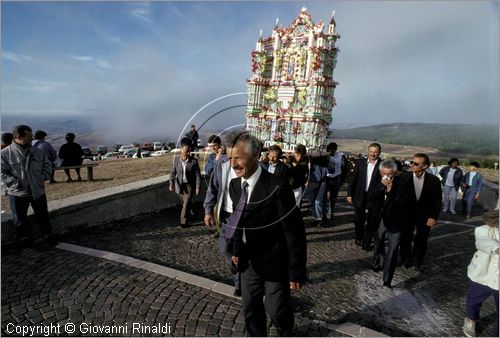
(160, 153)
(124, 148)
(116, 147)
(148, 146)
(112, 155)
(157, 145)
(144, 153)
(130, 152)
(101, 150)
(175, 150)
(87, 153)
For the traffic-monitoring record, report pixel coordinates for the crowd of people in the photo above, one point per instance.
(254, 200)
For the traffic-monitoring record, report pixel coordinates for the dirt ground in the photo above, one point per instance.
(111, 173)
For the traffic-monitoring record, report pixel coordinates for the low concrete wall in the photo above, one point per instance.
(103, 206)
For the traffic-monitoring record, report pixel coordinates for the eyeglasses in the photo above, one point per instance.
(416, 164)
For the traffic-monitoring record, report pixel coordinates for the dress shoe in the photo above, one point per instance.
(377, 268)
(419, 268)
(184, 225)
(409, 263)
(359, 242)
(367, 247)
(237, 293)
(51, 240)
(387, 285)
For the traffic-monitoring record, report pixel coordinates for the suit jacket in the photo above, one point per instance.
(429, 204)
(281, 170)
(356, 188)
(217, 187)
(274, 231)
(192, 174)
(389, 206)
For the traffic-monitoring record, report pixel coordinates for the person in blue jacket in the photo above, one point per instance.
(472, 183)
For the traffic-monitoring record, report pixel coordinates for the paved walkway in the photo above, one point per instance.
(53, 286)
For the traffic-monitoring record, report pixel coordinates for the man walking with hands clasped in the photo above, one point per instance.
(268, 242)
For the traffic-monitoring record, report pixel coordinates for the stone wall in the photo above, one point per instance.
(104, 206)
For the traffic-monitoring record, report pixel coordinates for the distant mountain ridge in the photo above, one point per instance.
(458, 138)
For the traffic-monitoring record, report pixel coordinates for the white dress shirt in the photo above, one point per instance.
(272, 168)
(369, 172)
(252, 181)
(418, 183)
(184, 177)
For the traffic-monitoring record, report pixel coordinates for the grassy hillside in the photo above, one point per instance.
(453, 138)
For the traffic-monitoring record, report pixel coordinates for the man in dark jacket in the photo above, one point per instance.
(71, 154)
(46, 147)
(275, 166)
(269, 242)
(421, 214)
(364, 179)
(388, 198)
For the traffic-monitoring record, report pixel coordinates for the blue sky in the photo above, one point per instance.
(151, 65)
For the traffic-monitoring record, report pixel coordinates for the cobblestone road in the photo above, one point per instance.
(51, 286)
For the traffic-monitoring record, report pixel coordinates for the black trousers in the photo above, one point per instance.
(414, 241)
(359, 222)
(364, 230)
(19, 207)
(277, 304)
(381, 258)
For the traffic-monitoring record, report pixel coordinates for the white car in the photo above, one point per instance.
(175, 150)
(112, 155)
(160, 153)
(157, 145)
(123, 149)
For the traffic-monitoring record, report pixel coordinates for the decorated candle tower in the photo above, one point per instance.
(290, 94)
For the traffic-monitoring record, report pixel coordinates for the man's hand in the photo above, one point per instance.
(197, 192)
(171, 188)
(295, 286)
(349, 199)
(431, 222)
(234, 259)
(209, 220)
(476, 197)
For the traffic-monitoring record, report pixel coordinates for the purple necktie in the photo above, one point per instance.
(234, 219)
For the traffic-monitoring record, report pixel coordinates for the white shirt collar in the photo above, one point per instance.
(421, 178)
(252, 180)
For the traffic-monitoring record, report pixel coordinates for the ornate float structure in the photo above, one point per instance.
(291, 91)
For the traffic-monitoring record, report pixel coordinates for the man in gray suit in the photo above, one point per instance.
(185, 180)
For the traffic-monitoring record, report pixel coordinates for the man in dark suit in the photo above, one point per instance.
(424, 205)
(388, 198)
(365, 178)
(275, 166)
(185, 180)
(268, 243)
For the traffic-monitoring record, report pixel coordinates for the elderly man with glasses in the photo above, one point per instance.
(424, 205)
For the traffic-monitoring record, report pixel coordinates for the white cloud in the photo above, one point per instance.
(9, 56)
(143, 13)
(82, 58)
(103, 64)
